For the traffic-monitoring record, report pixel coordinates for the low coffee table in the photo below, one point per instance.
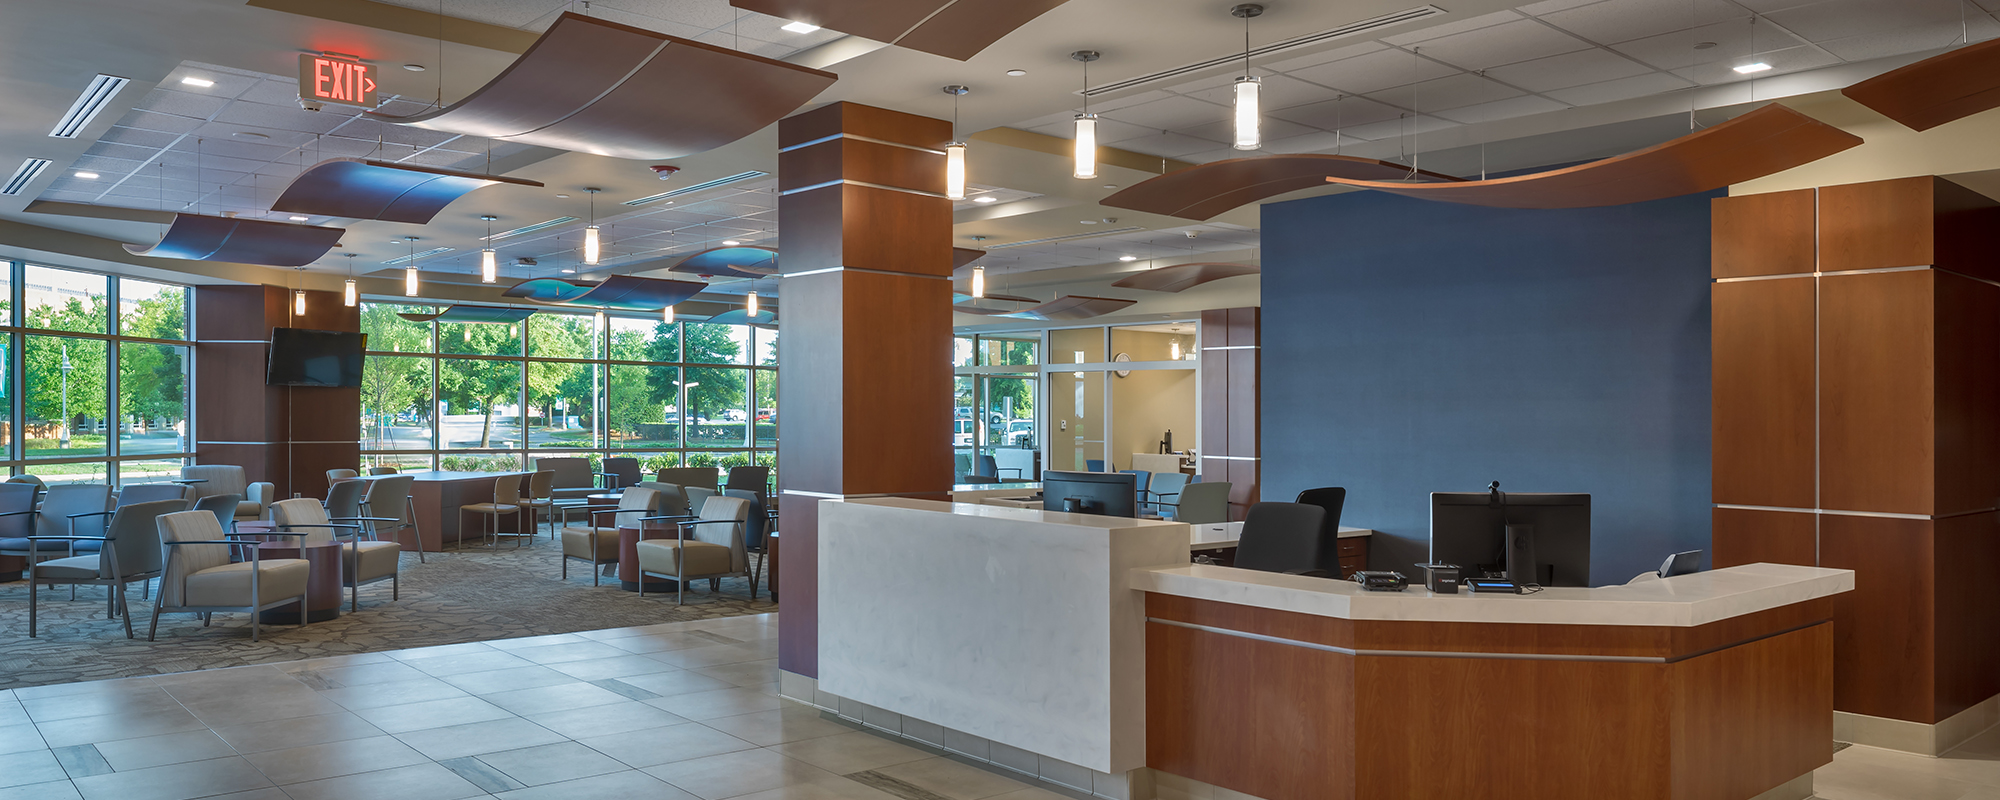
(628, 558)
(322, 588)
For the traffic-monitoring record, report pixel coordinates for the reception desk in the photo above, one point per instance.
(1088, 652)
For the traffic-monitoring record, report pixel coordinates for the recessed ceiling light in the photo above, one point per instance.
(1753, 67)
(249, 135)
(414, 67)
(1128, 258)
(194, 81)
(1110, 186)
(730, 243)
(1086, 222)
(1704, 45)
(799, 27)
(1016, 73)
(562, 197)
(569, 272)
(89, 176)
(297, 218)
(986, 198)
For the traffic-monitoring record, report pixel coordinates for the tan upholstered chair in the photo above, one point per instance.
(597, 543)
(334, 476)
(673, 501)
(130, 551)
(383, 471)
(367, 560)
(540, 499)
(230, 479)
(388, 499)
(200, 579)
(573, 479)
(710, 546)
(506, 500)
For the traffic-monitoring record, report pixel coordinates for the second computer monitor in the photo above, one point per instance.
(1542, 539)
(1113, 494)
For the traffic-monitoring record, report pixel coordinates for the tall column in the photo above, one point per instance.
(288, 435)
(1857, 426)
(865, 392)
(1230, 358)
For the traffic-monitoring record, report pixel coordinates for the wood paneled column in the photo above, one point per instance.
(865, 392)
(1857, 426)
(1230, 358)
(288, 435)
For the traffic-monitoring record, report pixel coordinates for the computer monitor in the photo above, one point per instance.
(1112, 494)
(1543, 539)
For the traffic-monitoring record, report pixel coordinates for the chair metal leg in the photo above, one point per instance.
(32, 594)
(254, 615)
(207, 617)
(124, 611)
(396, 585)
(154, 629)
(303, 616)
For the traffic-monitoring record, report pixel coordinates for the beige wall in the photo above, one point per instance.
(1890, 150)
(1148, 403)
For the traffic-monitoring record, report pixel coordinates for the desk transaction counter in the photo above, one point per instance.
(1087, 650)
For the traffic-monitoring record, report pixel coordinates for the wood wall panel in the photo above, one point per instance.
(1747, 536)
(1876, 225)
(1763, 234)
(875, 225)
(1967, 429)
(859, 120)
(1884, 630)
(1964, 230)
(1214, 384)
(1876, 394)
(898, 335)
(1968, 612)
(1764, 393)
(1749, 718)
(1230, 403)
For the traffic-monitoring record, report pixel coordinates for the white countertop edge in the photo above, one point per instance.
(1686, 601)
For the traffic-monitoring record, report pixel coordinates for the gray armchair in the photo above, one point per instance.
(710, 546)
(67, 509)
(704, 477)
(128, 551)
(573, 477)
(230, 479)
(366, 562)
(388, 498)
(597, 543)
(200, 579)
(620, 472)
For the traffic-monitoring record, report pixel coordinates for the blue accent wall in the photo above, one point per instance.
(1412, 346)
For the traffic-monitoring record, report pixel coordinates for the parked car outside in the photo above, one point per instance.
(1021, 433)
(961, 433)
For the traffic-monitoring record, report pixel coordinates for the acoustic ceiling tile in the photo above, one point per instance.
(1224, 130)
(1374, 72)
(1672, 51)
(1453, 92)
(1503, 109)
(1453, 27)
(1912, 39)
(1277, 91)
(1501, 44)
(1345, 112)
(1839, 19)
(1167, 145)
(1316, 142)
(1651, 83)
(1170, 113)
(1400, 127)
(1569, 69)
(1615, 21)
(1323, 57)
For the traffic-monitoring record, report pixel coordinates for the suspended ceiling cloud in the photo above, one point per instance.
(622, 292)
(492, 315)
(1936, 90)
(1181, 277)
(359, 188)
(244, 241)
(750, 262)
(1206, 190)
(599, 87)
(951, 28)
(1067, 307)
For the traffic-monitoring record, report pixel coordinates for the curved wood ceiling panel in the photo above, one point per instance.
(1763, 142)
(491, 315)
(1066, 307)
(1206, 190)
(961, 256)
(622, 292)
(243, 241)
(359, 188)
(1936, 90)
(736, 261)
(599, 87)
(1181, 277)
(956, 29)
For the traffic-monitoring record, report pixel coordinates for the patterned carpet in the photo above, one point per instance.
(458, 596)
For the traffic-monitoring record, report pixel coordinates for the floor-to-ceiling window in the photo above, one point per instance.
(467, 397)
(98, 373)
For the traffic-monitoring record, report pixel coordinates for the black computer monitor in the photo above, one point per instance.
(1112, 494)
(1543, 539)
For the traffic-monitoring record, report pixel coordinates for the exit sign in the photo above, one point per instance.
(336, 80)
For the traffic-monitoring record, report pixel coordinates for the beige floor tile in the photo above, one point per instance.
(507, 680)
(393, 694)
(263, 707)
(851, 752)
(673, 681)
(627, 785)
(952, 778)
(734, 774)
(1030, 794)
(719, 703)
(432, 714)
(659, 643)
(461, 663)
(606, 720)
(17, 738)
(419, 782)
(334, 662)
(545, 699)
(620, 666)
(1851, 778)
(268, 793)
(552, 763)
(92, 704)
(175, 782)
(574, 651)
(384, 671)
(34, 766)
(11, 712)
(666, 745)
(439, 651)
(791, 723)
(1961, 766)
(748, 673)
(478, 738)
(836, 788)
(86, 687)
(333, 759)
(158, 751)
(297, 732)
(538, 641)
(111, 727)
(714, 655)
(55, 790)
(608, 634)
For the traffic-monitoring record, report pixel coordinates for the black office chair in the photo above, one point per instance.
(1285, 537)
(1331, 498)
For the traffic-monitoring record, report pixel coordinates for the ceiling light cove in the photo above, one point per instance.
(298, 218)
(1128, 258)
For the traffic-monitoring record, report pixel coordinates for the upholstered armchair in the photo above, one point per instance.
(128, 551)
(573, 477)
(230, 479)
(711, 546)
(597, 543)
(201, 580)
(368, 559)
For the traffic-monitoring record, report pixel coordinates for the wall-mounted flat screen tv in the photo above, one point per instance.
(301, 357)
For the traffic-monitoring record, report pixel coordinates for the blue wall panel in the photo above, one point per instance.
(1413, 346)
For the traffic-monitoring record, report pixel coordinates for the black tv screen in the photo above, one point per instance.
(301, 357)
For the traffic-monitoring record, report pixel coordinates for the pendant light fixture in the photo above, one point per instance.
(410, 269)
(1249, 135)
(954, 152)
(978, 282)
(489, 261)
(1086, 123)
(667, 315)
(750, 303)
(298, 298)
(350, 294)
(590, 251)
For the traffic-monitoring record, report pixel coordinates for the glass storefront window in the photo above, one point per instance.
(153, 399)
(767, 347)
(61, 300)
(767, 408)
(717, 344)
(562, 403)
(388, 332)
(151, 471)
(644, 340)
(479, 404)
(995, 351)
(396, 407)
(562, 336)
(717, 407)
(1076, 346)
(152, 310)
(479, 339)
(642, 406)
(64, 392)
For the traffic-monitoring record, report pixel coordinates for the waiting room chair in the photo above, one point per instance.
(539, 499)
(334, 476)
(1205, 503)
(31, 480)
(986, 466)
(135, 493)
(200, 578)
(750, 478)
(1093, 465)
(704, 477)
(1331, 498)
(598, 543)
(383, 471)
(343, 499)
(620, 472)
(223, 506)
(573, 477)
(1285, 537)
(1144, 482)
(128, 551)
(67, 509)
(388, 498)
(756, 530)
(364, 562)
(231, 479)
(673, 500)
(697, 497)
(506, 500)
(17, 515)
(711, 546)
(1164, 485)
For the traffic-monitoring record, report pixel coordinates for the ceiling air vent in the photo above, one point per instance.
(699, 187)
(93, 100)
(29, 171)
(1350, 29)
(401, 260)
(1090, 235)
(526, 229)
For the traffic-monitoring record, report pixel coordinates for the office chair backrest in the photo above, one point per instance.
(1167, 485)
(1145, 478)
(389, 497)
(749, 477)
(986, 466)
(383, 470)
(1283, 537)
(1330, 498)
(343, 499)
(1204, 503)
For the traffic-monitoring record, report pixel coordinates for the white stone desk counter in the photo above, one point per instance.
(1682, 601)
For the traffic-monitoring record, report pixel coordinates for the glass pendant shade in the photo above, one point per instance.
(978, 282)
(350, 294)
(1248, 134)
(590, 245)
(1086, 146)
(954, 170)
(751, 304)
(299, 302)
(667, 315)
(1174, 350)
(410, 281)
(489, 266)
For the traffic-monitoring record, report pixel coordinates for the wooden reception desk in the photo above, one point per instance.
(1716, 685)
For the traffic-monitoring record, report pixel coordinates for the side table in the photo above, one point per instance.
(628, 558)
(322, 588)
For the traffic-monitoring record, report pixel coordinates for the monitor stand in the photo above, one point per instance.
(1521, 554)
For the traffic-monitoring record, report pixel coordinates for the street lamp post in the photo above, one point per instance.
(64, 443)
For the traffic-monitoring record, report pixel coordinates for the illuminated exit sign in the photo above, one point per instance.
(336, 80)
